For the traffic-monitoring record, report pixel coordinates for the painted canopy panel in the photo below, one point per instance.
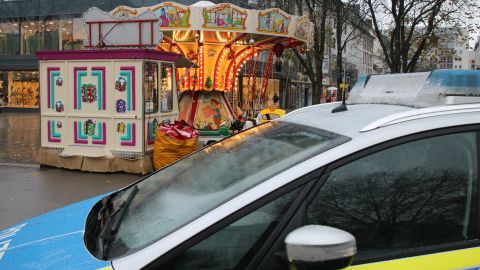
(170, 16)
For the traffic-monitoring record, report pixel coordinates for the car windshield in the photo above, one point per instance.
(185, 190)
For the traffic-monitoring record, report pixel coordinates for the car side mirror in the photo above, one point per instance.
(320, 247)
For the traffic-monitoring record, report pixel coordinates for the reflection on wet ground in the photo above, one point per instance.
(26, 190)
(19, 137)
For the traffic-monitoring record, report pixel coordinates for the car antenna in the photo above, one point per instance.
(343, 106)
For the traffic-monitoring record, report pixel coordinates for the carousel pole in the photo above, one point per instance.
(197, 70)
(252, 74)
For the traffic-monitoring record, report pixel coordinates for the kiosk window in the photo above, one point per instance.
(166, 87)
(151, 87)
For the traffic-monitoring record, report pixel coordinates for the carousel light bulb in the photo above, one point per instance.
(251, 41)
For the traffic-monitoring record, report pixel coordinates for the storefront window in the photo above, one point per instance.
(71, 34)
(45, 34)
(166, 87)
(78, 34)
(34, 37)
(9, 38)
(151, 87)
(3, 88)
(19, 89)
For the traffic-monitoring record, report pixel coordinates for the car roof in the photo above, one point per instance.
(348, 123)
(378, 100)
(361, 118)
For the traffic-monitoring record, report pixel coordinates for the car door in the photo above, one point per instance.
(239, 241)
(411, 203)
(428, 188)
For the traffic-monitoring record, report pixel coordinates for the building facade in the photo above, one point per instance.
(30, 25)
(358, 53)
(357, 56)
(451, 51)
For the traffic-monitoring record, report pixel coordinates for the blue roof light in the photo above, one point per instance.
(361, 82)
(424, 89)
(463, 82)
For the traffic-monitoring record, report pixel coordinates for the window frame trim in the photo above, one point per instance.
(430, 250)
(157, 111)
(172, 90)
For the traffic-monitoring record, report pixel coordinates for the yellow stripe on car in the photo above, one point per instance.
(464, 259)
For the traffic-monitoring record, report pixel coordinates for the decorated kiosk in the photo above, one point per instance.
(100, 107)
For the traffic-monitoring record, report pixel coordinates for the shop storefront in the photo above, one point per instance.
(28, 26)
(19, 40)
(19, 89)
(299, 95)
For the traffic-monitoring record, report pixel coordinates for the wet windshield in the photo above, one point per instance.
(199, 183)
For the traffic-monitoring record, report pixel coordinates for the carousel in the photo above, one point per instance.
(221, 40)
(101, 106)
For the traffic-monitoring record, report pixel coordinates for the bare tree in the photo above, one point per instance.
(349, 25)
(317, 11)
(410, 25)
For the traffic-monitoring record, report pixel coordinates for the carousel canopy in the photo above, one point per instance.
(218, 38)
(218, 22)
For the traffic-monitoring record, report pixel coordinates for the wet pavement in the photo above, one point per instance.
(19, 137)
(26, 190)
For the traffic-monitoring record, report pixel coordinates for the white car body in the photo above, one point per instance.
(366, 124)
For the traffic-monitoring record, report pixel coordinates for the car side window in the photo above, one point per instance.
(233, 246)
(405, 198)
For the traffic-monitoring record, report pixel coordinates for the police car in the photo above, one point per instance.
(389, 180)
